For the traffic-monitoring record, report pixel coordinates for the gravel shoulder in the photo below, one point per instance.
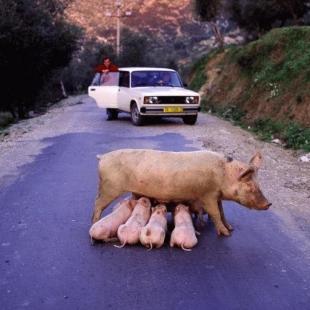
(284, 179)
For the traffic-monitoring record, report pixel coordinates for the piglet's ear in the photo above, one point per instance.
(247, 174)
(256, 160)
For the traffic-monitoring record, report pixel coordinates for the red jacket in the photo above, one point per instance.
(111, 68)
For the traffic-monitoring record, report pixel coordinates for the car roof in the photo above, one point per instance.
(145, 69)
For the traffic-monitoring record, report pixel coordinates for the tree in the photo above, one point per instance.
(208, 10)
(80, 72)
(259, 16)
(33, 43)
(135, 49)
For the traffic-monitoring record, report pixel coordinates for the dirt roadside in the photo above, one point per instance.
(284, 179)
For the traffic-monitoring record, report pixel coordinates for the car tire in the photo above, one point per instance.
(136, 117)
(190, 119)
(112, 114)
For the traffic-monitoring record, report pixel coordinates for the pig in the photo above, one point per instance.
(196, 207)
(183, 234)
(129, 232)
(106, 228)
(153, 234)
(180, 176)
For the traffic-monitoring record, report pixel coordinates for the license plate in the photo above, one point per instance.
(173, 110)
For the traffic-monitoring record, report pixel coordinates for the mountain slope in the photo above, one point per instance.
(266, 79)
(171, 24)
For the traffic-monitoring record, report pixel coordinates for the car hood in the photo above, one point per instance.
(164, 91)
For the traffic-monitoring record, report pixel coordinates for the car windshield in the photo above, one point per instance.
(106, 79)
(155, 78)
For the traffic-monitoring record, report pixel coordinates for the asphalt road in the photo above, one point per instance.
(47, 261)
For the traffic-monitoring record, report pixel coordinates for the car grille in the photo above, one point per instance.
(171, 100)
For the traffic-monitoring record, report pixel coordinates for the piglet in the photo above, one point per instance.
(106, 228)
(183, 234)
(129, 232)
(155, 231)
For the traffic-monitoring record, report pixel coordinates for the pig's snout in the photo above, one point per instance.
(266, 207)
(262, 206)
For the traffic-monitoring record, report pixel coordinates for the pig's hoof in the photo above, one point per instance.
(229, 227)
(223, 231)
(93, 241)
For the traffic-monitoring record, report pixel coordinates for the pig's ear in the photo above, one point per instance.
(247, 174)
(256, 160)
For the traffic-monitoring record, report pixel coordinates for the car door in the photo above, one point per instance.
(105, 90)
(124, 91)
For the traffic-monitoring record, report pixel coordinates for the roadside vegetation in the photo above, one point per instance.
(263, 86)
(289, 134)
(35, 43)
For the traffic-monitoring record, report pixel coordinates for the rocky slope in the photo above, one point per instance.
(171, 24)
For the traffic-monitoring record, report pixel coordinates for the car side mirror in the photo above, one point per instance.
(185, 84)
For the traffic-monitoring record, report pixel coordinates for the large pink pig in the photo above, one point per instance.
(180, 176)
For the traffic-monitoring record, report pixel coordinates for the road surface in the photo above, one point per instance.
(47, 261)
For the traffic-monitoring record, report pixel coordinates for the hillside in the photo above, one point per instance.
(171, 25)
(266, 82)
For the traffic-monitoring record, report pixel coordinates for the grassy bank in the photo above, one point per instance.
(263, 86)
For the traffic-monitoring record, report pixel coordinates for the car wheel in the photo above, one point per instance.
(190, 119)
(136, 117)
(112, 114)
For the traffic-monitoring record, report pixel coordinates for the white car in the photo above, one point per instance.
(144, 92)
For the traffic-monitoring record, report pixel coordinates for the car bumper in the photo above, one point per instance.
(161, 111)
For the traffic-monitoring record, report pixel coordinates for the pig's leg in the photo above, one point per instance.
(227, 225)
(102, 201)
(212, 208)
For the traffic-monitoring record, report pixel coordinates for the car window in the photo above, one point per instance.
(106, 79)
(109, 79)
(155, 78)
(124, 78)
(96, 80)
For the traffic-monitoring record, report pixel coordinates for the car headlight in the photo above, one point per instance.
(150, 100)
(192, 100)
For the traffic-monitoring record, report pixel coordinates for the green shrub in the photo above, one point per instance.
(297, 137)
(6, 118)
(198, 68)
(255, 59)
(231, 113)
(292, 134)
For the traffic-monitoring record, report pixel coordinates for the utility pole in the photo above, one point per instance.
(118, 4)
(118, 15)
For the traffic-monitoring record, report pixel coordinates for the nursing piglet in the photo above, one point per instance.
(183, 234)
(129, 232)
(153, 234)
(106, 228)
